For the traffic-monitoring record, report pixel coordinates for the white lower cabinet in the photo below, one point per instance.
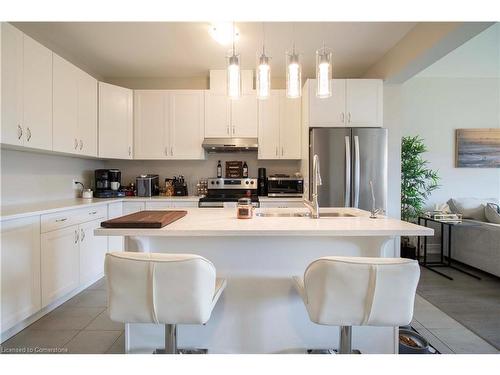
(92, 252)
(60, 263)
(131, 207)
(20, 270)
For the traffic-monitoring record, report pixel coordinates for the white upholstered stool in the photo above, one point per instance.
(356, 291)
(167, 289)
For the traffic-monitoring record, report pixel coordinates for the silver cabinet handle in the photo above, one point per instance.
(76, 143)
(349, 117)
(19, 132)
(356, 171)
(342, 117)
(166, 151)
(347, 190)
(76, 236)
(28, 134)
(233, 129)
(276, 150)
(129, 150)
(227, 129)
(81, 144)
(172, 150)
(282, 151)
(82, 235)
(61, 220)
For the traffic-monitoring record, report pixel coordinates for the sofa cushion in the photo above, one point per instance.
(492, 213)
(470, 208)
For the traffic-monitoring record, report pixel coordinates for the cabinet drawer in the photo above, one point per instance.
(64, 219)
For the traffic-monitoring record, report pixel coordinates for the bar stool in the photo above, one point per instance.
(357, 291)
(167, 289)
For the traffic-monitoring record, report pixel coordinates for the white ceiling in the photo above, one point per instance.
(185, 49)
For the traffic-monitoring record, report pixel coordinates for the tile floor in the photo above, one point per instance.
(81, 326)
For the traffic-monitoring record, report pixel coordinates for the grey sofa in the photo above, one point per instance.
(475, 242)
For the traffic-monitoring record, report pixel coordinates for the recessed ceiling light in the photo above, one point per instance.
(222, 32)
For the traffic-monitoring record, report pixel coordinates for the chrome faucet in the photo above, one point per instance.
(313, 204)
(374, 211)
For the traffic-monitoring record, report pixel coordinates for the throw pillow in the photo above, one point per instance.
(492, 213)
(470, 208)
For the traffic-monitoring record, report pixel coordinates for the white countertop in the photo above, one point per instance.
(17, 211)
(223, 222)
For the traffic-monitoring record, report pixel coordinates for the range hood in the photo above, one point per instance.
(212, 145)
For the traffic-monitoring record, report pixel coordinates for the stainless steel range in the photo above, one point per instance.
(221, 190)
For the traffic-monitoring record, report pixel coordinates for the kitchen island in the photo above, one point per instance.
(260, 312)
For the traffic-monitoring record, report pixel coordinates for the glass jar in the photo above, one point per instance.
(245, 208)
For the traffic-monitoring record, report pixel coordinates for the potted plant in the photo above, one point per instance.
(418, 181)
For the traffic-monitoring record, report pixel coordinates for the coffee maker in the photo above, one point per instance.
(108, 183)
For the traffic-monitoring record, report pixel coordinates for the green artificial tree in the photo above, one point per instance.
(417, 180)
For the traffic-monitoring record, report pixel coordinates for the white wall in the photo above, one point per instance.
(462, 90)
(30, 177)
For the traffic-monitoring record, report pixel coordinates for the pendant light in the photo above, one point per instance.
(233, 74)
(263, 72)
(293, 73)
(324, 72)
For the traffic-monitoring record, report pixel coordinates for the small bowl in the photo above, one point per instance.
(423, 344)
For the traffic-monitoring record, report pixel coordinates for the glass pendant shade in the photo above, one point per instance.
(263, 79)
(324, 73)
(233, 76)
(293, 76)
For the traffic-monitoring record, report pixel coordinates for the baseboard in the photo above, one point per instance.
(44, 311)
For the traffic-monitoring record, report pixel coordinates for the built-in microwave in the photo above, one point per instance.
(278, 186)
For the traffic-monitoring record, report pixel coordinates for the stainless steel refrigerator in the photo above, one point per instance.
(349, 159)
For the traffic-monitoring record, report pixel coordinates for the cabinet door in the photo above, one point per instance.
(37, 94)
(151, 124)
(269, 126)
(115, 243)
(87, 114)
(60, 263)
(217, 115)
(115, 122)
(12, 85)
(65, 97)
(327, 112)
(364, 102)
(186, 124)
(131, 207)
(244, 116)
(92, 252)
(290, 128)
(20, 270)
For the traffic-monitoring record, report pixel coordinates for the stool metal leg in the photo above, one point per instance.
(170, 340)
(345, 345)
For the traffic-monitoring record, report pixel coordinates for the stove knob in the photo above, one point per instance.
(246, 182)
(217, 182)
(211, 182)
(251, 182)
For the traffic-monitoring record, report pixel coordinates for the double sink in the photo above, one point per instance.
(302, 214)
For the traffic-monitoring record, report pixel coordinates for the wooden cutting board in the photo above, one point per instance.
(144, 219)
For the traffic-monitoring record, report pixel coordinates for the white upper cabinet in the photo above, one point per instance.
(364, 102)
(217, 115)
(244, 121)
(168, 124)
(12, 85)
(87, 114)
(226, 118)
(354, 102)
(37, 94)
(26, 90)
(115, 122)
(65, 96)
(327, 112)
(186, 124)
(75, 109)
(150, 130)
(279, 127)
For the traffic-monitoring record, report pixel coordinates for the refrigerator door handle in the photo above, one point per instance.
(347, 190)
(356, 172)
